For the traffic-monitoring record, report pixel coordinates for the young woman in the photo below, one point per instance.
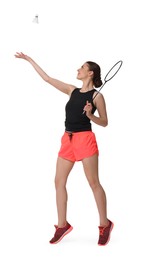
(78, 143)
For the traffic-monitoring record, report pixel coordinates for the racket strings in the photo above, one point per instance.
(110, 74)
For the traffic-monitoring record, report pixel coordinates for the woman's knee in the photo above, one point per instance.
(60, 182)
(56, 182)
(94, 184)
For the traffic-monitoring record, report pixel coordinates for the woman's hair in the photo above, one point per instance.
(96, 73)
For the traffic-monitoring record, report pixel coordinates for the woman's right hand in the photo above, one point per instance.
(21, 55)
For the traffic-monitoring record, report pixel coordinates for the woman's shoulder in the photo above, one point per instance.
(74, 89)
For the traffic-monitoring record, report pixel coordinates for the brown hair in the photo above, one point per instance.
(97, 73)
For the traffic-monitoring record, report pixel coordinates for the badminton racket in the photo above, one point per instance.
(110, 74)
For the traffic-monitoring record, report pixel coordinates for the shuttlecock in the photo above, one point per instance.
(36, 19)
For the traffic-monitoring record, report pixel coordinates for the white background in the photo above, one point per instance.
(32, 121)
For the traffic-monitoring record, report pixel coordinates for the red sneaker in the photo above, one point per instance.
(60, 233)
(104, 234)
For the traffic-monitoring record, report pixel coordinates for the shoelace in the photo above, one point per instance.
(101, 231)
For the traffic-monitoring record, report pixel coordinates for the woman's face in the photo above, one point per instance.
(84, 72)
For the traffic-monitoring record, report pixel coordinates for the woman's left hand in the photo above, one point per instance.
(88, 108)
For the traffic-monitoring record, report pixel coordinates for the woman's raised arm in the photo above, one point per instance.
(64, 87)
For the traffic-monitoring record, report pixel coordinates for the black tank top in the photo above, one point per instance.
(75, 120)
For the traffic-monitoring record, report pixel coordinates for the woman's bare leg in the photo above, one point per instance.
(63, 168)
(90, 166)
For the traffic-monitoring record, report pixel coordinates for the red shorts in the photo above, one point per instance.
(77, 146)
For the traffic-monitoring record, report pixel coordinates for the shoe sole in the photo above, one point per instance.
(112, 225)
(67, 232)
